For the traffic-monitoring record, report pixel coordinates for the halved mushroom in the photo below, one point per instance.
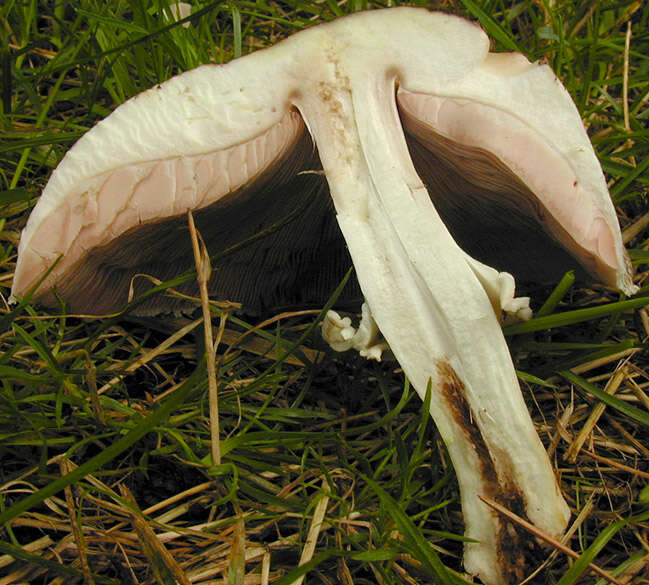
(427, 143)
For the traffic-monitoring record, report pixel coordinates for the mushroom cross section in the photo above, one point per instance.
(446, 164)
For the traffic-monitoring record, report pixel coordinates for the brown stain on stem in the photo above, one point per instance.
(514, 544)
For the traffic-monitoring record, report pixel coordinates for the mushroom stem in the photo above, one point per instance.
(428, 301)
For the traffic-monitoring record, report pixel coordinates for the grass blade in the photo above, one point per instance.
(624, 407)
(572, 317)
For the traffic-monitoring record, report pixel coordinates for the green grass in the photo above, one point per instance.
(92, 410)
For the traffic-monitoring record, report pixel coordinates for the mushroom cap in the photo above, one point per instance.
(505, 139)
(486, 132)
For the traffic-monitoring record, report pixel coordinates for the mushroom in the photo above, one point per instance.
(446, 165)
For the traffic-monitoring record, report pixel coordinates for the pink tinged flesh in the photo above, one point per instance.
(119, 200)
(530, 157)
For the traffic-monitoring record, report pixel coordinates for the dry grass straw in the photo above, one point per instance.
(314, 531)
(578, 442)
(203, 273)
